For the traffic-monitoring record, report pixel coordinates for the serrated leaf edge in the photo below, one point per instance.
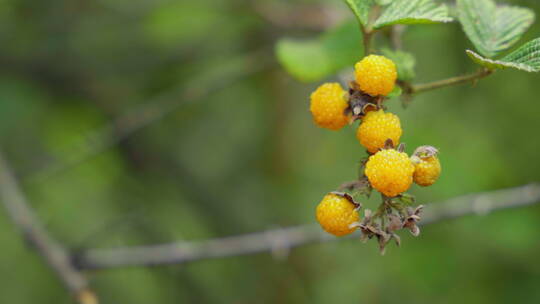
(499, 64)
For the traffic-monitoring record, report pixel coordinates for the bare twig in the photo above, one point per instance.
(54, 254)
(419, 88)
(282, 240)
(153, 111)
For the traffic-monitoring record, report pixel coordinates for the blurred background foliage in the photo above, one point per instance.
(246, 156)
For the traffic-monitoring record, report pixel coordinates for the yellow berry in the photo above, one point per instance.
(427, 167)
(376, 75)
(390, 172)
(376, 128)
(328, 104)
(427, 171)
(336, 213)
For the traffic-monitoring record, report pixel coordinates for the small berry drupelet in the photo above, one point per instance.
(390, 172)
(376, 75)
(328, 104)
(376, 128)
(336, 213)
(427, 167)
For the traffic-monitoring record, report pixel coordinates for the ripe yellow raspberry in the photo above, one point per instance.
(328, 104)
(390, 172)
(427, 167)
(336, 213)
(376, 128)
(376, 75)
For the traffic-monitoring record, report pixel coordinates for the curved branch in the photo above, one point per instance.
(280, 241)
(54, 254)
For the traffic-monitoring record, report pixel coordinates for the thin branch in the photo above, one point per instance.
(153, 111)
(280, 241)
(54, 254)
(419, 88)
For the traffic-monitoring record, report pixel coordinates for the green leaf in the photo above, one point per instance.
(413, 12)
(526, 58)
(404, 61)
(361, 9)
(383, 2)
(315, 59)
(396, 92)
(486, 62)
(490, 28)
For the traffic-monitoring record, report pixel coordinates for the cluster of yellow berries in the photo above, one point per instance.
(375, 75)
(388, 170)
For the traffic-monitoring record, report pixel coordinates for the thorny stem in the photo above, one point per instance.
(419, 88)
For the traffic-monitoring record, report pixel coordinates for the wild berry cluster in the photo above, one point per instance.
(388, 169)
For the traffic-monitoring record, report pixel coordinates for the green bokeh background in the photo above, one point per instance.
(247, 157)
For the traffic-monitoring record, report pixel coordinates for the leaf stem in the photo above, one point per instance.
(368, 31)
(419, 88)
(367, 35)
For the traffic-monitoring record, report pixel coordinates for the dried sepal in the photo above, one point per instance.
(388, 144)
(415, 231)
(368, 228)
(394, 222)
(413, 217)
(393, 214)
(425, 152)
(379, 102)
(354, 87)
(349, 198)
(359, 102)
(383, 239)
